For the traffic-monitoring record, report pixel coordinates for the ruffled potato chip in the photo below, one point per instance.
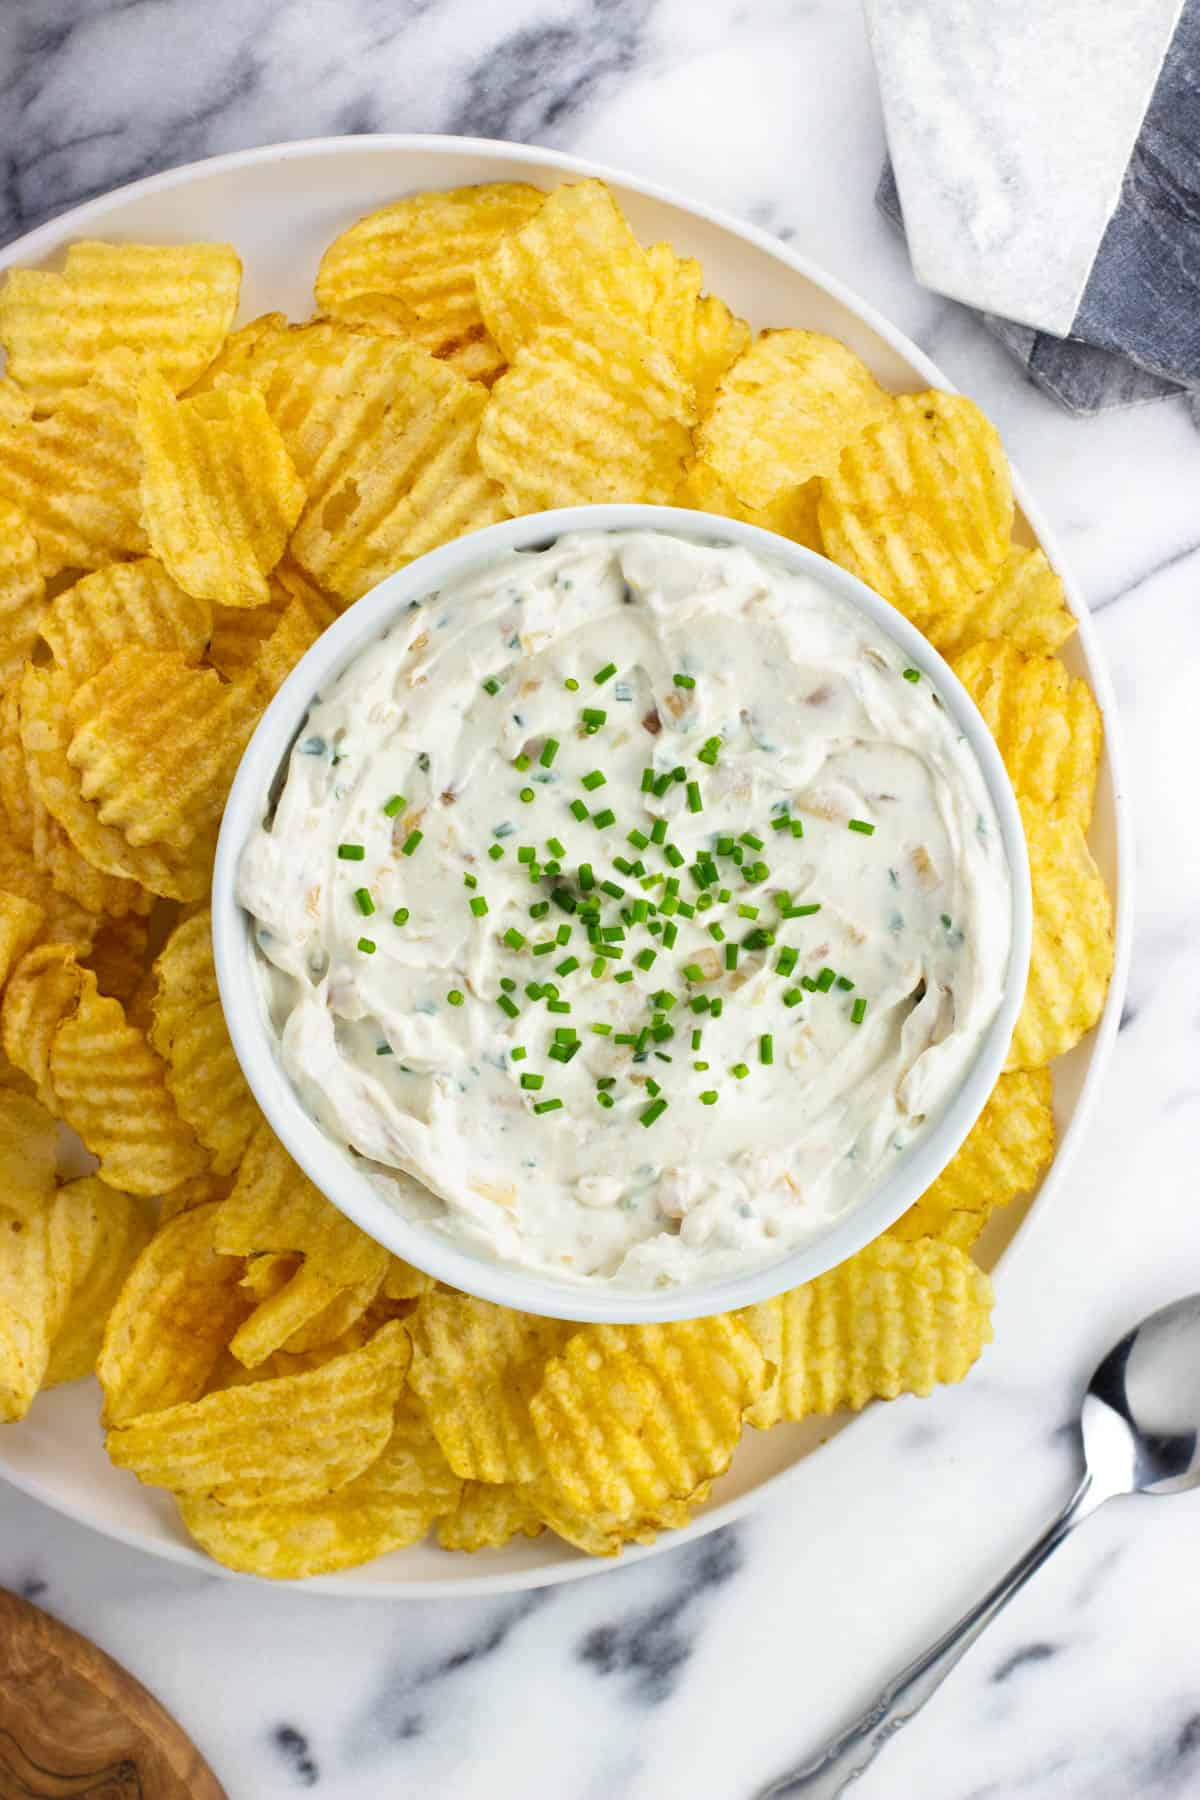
(274, 1206)
(578, 421)
(574, 265)
(66, 921)
(1072, 956)
(28, 1154)
(129, 605)
(22, 588)
(220, 493)
(111, 1088)
(176, 1312)
(239, 634)
(1004, 1154)
(189, 1033)
(392, 1503)
(171, 304)
(1027, 605)
(403, 1282)
(117, 957)
(197, 1190)
(489, 1514)
(698, 331)
(632, 1416)
(344, 1311)
(303, 1297)
(20, 923)
(234, 362)
(1046, 723)
(297, 629)
(423, 252)
(75, 476)
(280, 1442)
(897, 1318)
(32, 1296)
(109, 1231)
(784, 411)
(477, 1368)
(792, 515)
(920, 506)
(41, 992)
(408, 480)
(600, 1533)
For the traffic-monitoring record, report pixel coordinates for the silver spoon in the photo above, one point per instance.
(1141, 1435)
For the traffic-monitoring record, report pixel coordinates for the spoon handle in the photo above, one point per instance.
(848, 1756)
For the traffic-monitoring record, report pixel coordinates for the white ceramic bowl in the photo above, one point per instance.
(336, 1172)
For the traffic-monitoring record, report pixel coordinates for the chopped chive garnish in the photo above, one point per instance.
(645, 958)
(658, 832)
(411, 842)
(364, 902)
(684, 681)
(826, 979)
(724, 846)
(604, 1099)
(602, 820)
(623, 975)
(545, 1106)
(601, 1027)
(858, 1011)
(558, 1006)
(455, 996)
(518, 1053)
(549, 752)
(598, 967)
(801, 912)
(594, 778)
(521, 762)
(701, 1068)
(491, 685)
(571, 685)
(586, 878)
(623, 863)
(604, 674)
(912, 674)
(766, 1048)
(367, 946)
(709, 1097)
(780, 824)
(580, 810)
(400, 916)
(495, 851)
(709, 751)
(526, 853)
(669, 933)
(716, 933)
(478, 905)
(724, 895)
(514, 939)
(470, 881)
(564, 899)
(546, 948)
(507, 1006)
(752, 843)
(674, 855)
(660, 785)
(539, 909)
(526, 796)
(862, 825)
(740, 1071)
(796, 827)
(792, 996)
(508, 984)
(556, 846)
(567, 966)
(747, 912)
(384, 1050)
(351, 852)
(845, 983)
(396, 804)
(731, 956)
(533, 1082)
(787, 959)
(654, 1111)
(613, 889)
(700, 1003)
(637, 838)
(696, 1037)
(693, 972)
(593, 718)
(808, 984)
(695, 803)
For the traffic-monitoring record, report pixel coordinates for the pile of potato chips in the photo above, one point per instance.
(183, 509)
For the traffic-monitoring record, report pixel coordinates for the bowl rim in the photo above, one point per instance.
(330, 1167)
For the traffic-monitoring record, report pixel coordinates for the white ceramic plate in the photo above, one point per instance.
(281, 206)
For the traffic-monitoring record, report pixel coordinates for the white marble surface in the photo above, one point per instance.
(1010, 127)
(704, 1672)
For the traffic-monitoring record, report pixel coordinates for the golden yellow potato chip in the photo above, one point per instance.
(66, 921)
(1003, 1155)
(474, 353)
(75, 475)
(234, 362)
(895, 1319)
(20, 923)
(920, 506)
(28, 1154)
(268, 1274)
(630, 1416)
(297, 629)
(22, 588)
(392, 1503)
(1027, 606)
(296, 1438)
(31, 1299)
(170, 303)
(1072, 954)
(238, 635)
(157, 744)
(346, 1309)
(46, 731)
(274, 1206)
(41, 992)
(1046, 723)
(198, 1190)
(698, 331)
(220, 493)
(603, 1533)
(574, 264)
(117, 957)
(488, 1515)
(189, 1033)
(59, 865)
(403, 1282)
(423, 251)
(792, 515)
(111, 1088)
(407, 480)
(176, 1312)
(133, 604)
(111, 1229)
(784, 411)
(303, 1297)
(577, 421)
(477, 1367)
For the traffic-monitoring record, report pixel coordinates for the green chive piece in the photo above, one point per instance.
(586, 877)
(752, 843)
(781, 823)
(491, 685)
(558, 1006)
(601, 1027)
(593, 718)
(549, 751)
(801, 912)
(669, 934)
(696, 1037)
(716, 933)
(747, 912)
(826, 979)
(700, 1004)
(518, 1053)
(556, 846)
(623, 975)
(508, 984)
(604, 1099)
(514, 939)
(604, 674)
(411, 842)
(695, 803)
(637, 838)
(709, 1097)
(766, 1048)
(740, 1071)
(912, 674)
(613, 889)
(858, 1011)
(674, 855)
(507, 1006)
(796, 826)
(709, 751)
(571, 685)
(533, 1082)
(396, 804)
(526, 796)
(351, 852)
(567, 966)
(701, 1068)
(526, 853)
(367, 946)
(654, 1111)
(598, 968)
(455, 997)
(645, 958)
(364, 902)
(731, 956)
(539, 909)
(602, 820)
(792, 996)
(693, 972)
(658, 832)
(478, 905)
(564, 899)
(845, 983)
(595, 778)
(470, 881)
(580, 810)
(684, 681)
(717, 1007)
(545, 1106)
(808, 984)
(521, 762)
(787, 959)
(495, 851)
(400, 916)
(862, 825)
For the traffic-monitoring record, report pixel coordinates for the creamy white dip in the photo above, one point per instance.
(646, 997)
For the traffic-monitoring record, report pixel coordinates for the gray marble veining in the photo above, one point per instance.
(707, 1671)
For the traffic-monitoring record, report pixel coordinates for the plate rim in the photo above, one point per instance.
(49, 236)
